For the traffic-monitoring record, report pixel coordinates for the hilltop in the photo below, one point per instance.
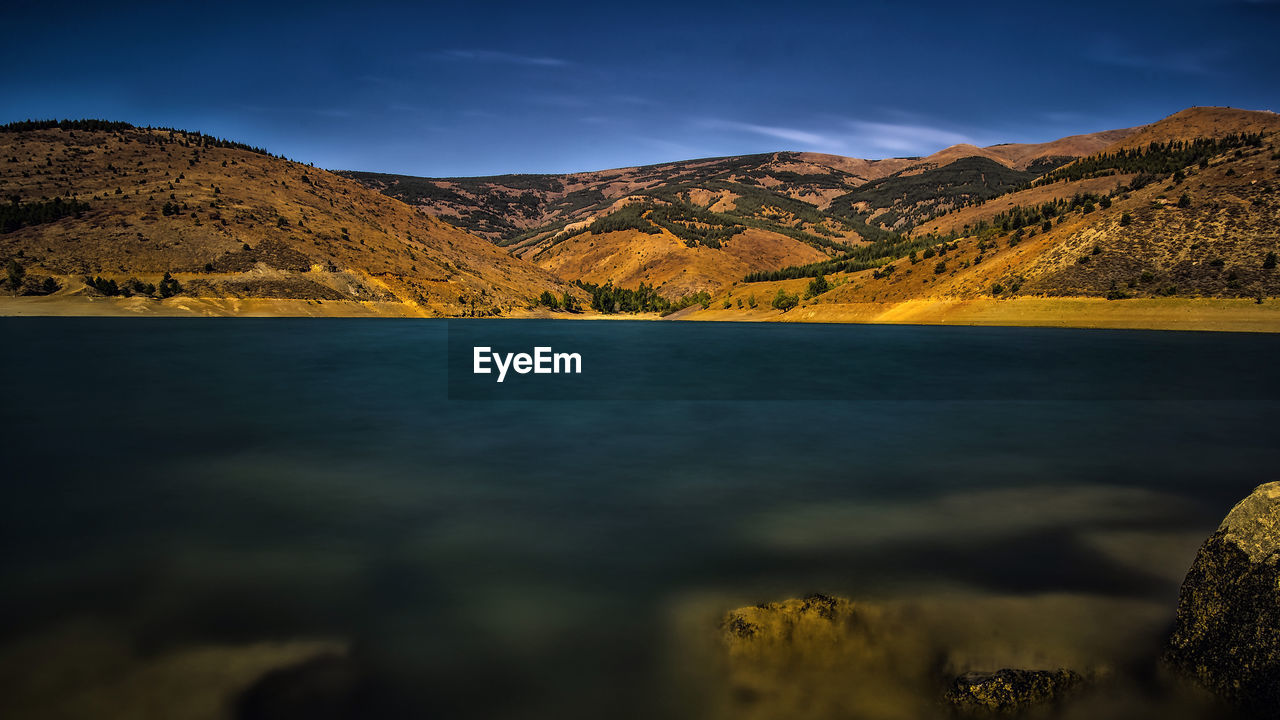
(96, 208)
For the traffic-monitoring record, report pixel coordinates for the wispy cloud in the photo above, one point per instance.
(860, 137)
(908, 139)
(505, 58)
(804, 137)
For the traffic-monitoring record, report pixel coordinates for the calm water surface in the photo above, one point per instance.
(191, 481)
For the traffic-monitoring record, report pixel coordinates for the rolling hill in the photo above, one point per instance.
(1184, 208)
(1191, 211)
(700, 224)
(94, 208)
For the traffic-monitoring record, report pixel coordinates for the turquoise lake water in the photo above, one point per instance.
(521, 551)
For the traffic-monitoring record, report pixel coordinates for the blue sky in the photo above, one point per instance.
(484, 88)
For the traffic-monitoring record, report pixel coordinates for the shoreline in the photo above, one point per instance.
(1198, 314)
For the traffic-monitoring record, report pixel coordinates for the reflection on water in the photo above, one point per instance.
(194, 506)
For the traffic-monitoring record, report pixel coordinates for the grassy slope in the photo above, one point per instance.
(1196, 267)
(312, 235)
(787, 196)
(630, 257)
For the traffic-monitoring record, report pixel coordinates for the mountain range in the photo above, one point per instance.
(1183, 207)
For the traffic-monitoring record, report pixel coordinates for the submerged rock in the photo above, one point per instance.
(1227, 632)
(824, 657)
(1009, 692)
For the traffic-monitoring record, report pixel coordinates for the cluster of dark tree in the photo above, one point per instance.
(817, 286)
(1157, 159)
(88, 125)
(482, 204)
(18, 281)
(695, 225)
(934, 250)
(756, 201)
(609, 299)
(963, 182)
(863, 258)
(753, 208)
(199, 139)
(1018, 217)
(667, 207)
(784, 300)
(168, 287)
(16, 274)
(702, 297)
(579, 200)
(835, 180)
(19, 214)
(102, 285)
(628, 217)
(690, 223)
(753, 203)
(95, 125)
(514, 181)
(567, 303)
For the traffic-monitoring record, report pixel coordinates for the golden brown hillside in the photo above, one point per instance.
(228, 222)
(1217, 245)
(1207, 234)
(759, 212)
(1201, 122)
(1021, 156)
(1184, 126)
(628, 258)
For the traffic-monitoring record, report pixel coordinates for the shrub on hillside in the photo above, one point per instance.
(784, 301)
(817, 286)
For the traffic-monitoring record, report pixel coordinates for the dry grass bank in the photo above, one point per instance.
(1218, 314)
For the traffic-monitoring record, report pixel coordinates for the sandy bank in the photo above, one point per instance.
(1229, 315)
(68, 306)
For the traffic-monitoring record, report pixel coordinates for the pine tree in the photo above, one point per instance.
(817, 286)
(16, 274)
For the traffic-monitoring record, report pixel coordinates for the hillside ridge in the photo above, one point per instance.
(230, 221)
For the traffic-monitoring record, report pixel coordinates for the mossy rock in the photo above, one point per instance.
(1227, 632)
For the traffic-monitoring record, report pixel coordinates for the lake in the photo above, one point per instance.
(553, 546)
